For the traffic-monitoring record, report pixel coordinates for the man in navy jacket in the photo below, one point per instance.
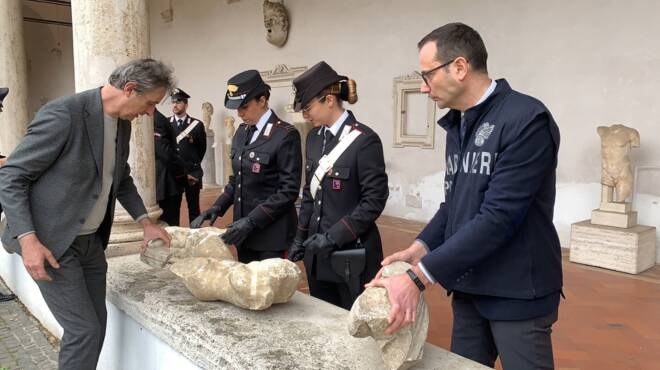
(492, 243)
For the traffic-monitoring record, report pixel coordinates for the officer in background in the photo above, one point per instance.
(345, 190)
(3, 92)
(191, 143)
(170, 170)
(266, 162)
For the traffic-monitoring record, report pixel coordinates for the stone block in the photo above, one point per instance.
(614, 219)
(630, 250)
(615, 207)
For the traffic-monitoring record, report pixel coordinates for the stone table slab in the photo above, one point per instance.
(305, 333)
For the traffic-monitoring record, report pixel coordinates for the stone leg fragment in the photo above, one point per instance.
(254, 286)
(368, 318)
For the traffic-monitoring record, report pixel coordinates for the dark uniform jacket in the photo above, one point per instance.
(192, 147)
(265, 184)
(170, 168)
(350, 198)
(493, 235)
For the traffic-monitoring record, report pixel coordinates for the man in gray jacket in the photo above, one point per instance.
(58, 190)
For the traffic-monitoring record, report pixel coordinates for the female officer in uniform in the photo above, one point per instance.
(343, 199)
(266, 162)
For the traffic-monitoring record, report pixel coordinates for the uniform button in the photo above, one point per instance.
(319, 202)
(239, 199)
(336, 173)
(318, 218)
(258, 158)
(239, 185)
(239, 173)
(239, 157)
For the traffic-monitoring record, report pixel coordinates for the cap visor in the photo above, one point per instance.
(234, 104)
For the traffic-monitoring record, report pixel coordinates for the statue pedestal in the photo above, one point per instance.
(208, 163)
(614, 219)
(615, 214)
(630, 250)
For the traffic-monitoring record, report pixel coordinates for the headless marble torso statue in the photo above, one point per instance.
(616, 143)
(616, 174)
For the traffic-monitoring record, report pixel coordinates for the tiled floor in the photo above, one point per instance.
(609, 320)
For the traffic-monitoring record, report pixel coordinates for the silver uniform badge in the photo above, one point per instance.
(483, 133)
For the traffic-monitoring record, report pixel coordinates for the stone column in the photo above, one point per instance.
(106, 34)
(13, 74)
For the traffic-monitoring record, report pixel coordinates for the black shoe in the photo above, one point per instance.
(7, 297)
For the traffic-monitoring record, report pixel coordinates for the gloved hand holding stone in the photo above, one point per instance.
(238, 231)
(320, 244)
(296, 251)
(210, 214)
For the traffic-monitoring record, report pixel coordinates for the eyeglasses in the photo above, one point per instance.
(309, 106)
(426, 75)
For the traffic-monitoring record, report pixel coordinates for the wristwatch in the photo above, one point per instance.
(416, 280)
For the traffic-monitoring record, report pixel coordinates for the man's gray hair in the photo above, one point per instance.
(147, 74)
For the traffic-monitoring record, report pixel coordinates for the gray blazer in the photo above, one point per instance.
(52, 179)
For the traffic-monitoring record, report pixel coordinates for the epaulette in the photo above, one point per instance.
(284, 125)
(356, 127)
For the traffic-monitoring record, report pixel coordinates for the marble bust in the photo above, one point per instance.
(276, 21)
(368, 318)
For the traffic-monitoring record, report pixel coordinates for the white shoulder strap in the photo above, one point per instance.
(185, 132)
(327, 161)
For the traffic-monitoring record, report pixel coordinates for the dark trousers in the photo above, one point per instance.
(521, 344)
(192, 198)
(76, 297)
(334, 293)
(247, 255)
(171, 207)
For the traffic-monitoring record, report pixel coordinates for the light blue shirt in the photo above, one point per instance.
(335, 126)
(260, 125)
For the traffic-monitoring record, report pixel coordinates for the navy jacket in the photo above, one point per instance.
(191, 148)
(493, 235)
(265, 183)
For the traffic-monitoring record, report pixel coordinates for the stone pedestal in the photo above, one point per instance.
(208, 163)
(630, 250)
(107, 34)
(622, 220)
(13, 74)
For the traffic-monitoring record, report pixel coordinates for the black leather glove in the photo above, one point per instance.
(210, 214)
(320, 244)
(296, 251)
(238, 231)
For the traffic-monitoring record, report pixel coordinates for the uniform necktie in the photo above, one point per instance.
(179, 123)
(249, 133)
(463, 128)
(327, 136)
